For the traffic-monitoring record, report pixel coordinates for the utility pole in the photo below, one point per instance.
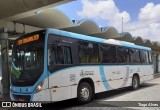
(122, 27)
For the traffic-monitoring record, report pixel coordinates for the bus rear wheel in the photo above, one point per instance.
(84, 93)
(135, 82)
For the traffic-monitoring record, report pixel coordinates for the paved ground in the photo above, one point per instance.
(116, 99)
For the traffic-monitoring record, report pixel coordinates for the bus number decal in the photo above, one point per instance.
(72, 77)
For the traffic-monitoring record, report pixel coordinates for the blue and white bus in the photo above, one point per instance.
(55, 65)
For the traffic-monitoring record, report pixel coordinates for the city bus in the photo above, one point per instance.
(54, 65)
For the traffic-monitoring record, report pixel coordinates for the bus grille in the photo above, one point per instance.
(25, 98)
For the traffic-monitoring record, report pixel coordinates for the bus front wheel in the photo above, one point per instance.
(135, 82)
(84, 93)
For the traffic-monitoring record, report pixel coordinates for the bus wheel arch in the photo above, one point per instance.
(85, 83)
(135, 81)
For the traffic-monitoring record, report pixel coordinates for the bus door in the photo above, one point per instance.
(60, 61)
(123, 66)
(123, 75)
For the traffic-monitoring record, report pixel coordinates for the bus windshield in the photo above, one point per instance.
(27, 65)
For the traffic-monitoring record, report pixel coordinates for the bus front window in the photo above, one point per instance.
(27, 65)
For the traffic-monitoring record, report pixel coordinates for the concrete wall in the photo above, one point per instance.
(17, 27)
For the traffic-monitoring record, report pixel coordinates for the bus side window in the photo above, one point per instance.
(59, 55)
(67, 56)
(144, 56)
(64, 55)
(108, 54)
(123, 55)
(84, 52)
(88, 52)
(150, 56)
(134, 56)
(51, 55)
(147, 57)
(95, 54)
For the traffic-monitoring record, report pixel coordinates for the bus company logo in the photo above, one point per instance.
(86, 73)
(82, 73)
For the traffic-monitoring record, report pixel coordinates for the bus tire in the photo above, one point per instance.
(84, 93)
(135, 82)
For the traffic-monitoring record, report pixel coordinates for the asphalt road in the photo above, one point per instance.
(125, 99)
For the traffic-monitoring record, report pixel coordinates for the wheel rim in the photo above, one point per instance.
(135, 82)
(84, 93)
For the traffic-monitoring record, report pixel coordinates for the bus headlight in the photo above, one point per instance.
(39, 87)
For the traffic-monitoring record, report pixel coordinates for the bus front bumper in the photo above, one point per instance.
(21, 97)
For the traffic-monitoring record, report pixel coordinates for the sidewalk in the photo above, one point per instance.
(156, 75)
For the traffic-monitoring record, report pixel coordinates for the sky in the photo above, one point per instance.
(140, 17)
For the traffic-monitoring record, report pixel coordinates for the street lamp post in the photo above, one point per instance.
(122, 27)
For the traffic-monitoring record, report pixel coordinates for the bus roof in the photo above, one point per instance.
(95, 39)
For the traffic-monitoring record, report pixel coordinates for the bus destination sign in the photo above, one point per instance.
(28, 39)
